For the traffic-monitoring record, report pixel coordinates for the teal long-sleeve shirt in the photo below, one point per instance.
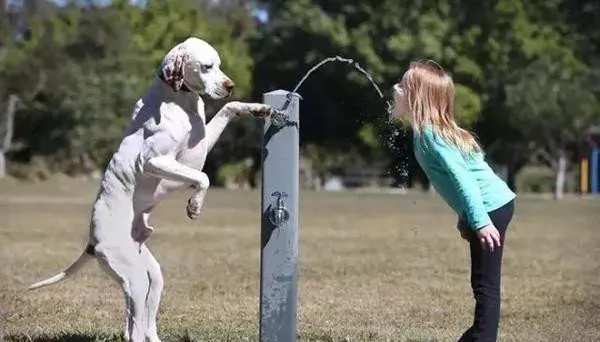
(465, 181)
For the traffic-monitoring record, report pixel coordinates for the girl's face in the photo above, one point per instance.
(401, 108)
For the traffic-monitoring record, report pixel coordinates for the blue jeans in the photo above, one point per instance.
(485, 280)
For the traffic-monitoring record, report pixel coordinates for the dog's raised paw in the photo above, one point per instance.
(260, 110)
(193, 208)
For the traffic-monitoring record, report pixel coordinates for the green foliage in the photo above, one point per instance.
(553, 103)
(535, 179)
(524, 72)
(36, 170)
(368, 135)
(236, 174)
(468, 105)
(89, 67)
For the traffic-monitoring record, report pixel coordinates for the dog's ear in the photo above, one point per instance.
(172, 67)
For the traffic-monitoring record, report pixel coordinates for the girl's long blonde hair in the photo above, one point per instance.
(430, 94)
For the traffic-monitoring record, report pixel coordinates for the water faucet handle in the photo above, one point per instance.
(279, 117)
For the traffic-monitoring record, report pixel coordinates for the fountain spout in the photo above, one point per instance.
(280, 117)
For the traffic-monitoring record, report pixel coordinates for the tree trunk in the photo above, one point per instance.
(561, 171)
(6, 131)
(2, 165)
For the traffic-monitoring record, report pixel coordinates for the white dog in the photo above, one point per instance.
(163, 149)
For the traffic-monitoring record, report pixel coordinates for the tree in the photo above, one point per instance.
(338, 101)
(23, 86)
(553, 105)
(7, 119)
(100, 58)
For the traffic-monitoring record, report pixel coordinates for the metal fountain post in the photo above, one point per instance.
(279, 219)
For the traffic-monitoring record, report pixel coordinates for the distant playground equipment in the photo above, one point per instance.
(589, 164)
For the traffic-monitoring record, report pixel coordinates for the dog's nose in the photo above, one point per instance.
(229, 85)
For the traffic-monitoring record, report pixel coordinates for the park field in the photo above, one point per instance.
(374, 267)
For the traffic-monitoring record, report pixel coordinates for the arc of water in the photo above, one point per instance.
(349, 61)
(279, 115)
(317, 66)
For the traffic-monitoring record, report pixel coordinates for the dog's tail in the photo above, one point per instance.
(87, 254)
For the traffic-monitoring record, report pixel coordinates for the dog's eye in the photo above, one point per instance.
(207, 67)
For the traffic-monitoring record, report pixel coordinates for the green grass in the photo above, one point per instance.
(373, 267)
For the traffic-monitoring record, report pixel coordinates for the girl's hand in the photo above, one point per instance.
(489, 237)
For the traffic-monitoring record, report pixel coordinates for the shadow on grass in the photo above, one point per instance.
(66, 337)
(365, 337)
(71, 337)
(76, 337)
(90, 337)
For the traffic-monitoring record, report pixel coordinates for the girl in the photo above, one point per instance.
(454, 163)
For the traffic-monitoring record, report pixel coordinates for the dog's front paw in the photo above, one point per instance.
(193, 208)
(259, 110)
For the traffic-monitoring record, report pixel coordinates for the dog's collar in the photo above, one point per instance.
(183, 86)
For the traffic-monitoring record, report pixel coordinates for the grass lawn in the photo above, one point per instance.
(373, 267)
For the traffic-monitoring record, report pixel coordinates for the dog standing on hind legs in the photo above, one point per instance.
(164, 149)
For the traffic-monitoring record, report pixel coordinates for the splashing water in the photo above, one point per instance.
(279, 117)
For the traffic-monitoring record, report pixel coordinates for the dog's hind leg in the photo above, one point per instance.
(125, 263)
(154, 293)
